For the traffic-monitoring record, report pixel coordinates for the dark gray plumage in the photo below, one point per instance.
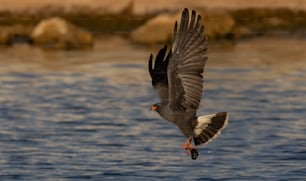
(178, 81)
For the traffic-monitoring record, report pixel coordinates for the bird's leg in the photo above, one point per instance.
(188, 145)
(193, 151)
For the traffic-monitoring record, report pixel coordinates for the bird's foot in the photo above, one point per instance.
(188, 146)
(190, 149)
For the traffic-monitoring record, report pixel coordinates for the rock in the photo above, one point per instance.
(56, 33)
(5, 37)
(15, 34)
(157, 30)
(218, 24)
(242, 32)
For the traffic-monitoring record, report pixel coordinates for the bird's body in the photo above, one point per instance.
(178, 81)
(185, 122)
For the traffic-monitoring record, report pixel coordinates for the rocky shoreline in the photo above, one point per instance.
(146, 28)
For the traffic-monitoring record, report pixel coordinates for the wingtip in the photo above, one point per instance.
(150, 58)
(226, 119)
(199, 18)
(185, 13)
(150, 64)
(175, 26)
(193, 12)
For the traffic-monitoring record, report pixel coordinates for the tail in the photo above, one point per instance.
(209, 127)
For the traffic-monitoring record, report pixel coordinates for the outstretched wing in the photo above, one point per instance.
(187, 63)
(159, 73)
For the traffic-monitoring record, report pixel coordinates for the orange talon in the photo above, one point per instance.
(190, 149)
(188, 146)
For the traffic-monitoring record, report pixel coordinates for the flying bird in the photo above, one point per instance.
(177, 77)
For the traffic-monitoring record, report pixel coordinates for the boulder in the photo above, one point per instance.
(218, 24)
(5, 37)
(57, 33)
(242, 32)
(157, 30)
(12, 34)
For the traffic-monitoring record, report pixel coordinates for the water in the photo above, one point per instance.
(85, 115)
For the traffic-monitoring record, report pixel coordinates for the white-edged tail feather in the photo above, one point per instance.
(209, 127)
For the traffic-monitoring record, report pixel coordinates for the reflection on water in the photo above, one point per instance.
(85, 115)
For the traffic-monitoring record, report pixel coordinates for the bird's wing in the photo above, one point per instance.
(159, 73)
(187, 63)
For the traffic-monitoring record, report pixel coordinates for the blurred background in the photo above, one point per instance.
(75, 92)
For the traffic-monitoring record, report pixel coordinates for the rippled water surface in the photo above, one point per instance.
(85, 115)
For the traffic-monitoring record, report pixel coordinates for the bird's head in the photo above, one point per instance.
(155, 107)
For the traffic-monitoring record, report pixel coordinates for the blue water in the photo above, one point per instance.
(96, 125)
